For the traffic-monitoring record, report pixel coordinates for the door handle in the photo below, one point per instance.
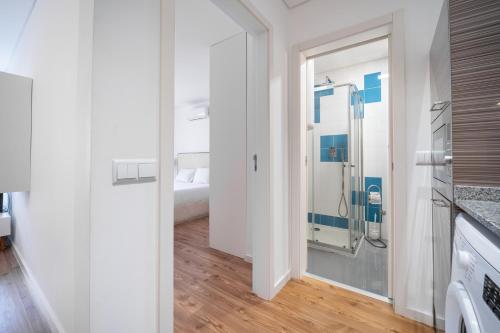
(439, 105)
(440, 203)
(255, 162)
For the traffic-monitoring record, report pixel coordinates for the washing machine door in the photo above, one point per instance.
(460, 315)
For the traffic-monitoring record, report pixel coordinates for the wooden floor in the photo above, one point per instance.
(18, 313)
(213, 294)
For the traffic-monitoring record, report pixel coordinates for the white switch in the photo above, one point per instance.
(132, 170)
(121, 171)
(147, 170)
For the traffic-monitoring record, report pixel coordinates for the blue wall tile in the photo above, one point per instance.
(326, 141)
(373, 95)
(372, 80)
(317, 113)
(337, 141)
(328, 220)
(341, 222)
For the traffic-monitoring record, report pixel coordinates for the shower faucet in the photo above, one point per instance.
(332, 152)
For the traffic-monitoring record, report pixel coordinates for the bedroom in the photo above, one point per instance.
(212, 58)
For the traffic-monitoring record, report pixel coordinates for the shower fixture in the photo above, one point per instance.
(328, 82)
(350, 208)
(332, 152)
(343, 201)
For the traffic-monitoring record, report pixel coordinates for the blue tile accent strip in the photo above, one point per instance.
(339, 143)
(372, 91)
(372, 210)
(317, 96)
(373, 95)
(373, 87)
(328, 220)
(372, 80)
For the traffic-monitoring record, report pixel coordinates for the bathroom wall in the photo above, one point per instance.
(331, 127)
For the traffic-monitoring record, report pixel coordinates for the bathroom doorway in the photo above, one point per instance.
(345, 197)
(348, 166)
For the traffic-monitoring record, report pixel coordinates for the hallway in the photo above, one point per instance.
(213, 294)
(18, 312)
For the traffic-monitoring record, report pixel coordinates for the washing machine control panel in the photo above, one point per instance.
(491, 295)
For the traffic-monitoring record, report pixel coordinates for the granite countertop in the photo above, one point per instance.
(482, 203)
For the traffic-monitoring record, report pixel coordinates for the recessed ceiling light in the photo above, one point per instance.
(498, 103)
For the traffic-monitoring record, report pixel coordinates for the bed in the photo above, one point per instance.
(191, 199)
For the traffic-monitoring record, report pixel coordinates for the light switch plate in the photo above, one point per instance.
(147, 170)
(133, 171)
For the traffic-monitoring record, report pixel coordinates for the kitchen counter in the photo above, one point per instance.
(481, 203)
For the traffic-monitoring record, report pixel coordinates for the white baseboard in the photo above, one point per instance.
(281, 283)
(423, 317)
(39, 298)
(248, 258)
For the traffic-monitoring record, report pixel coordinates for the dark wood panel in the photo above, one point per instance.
(475, 81)
(212, 293)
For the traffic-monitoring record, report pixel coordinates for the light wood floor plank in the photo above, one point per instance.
(213, 294)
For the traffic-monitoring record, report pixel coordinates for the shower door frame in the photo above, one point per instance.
(355, 132)
(391, 26)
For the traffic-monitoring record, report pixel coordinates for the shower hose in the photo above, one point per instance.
(342, 201)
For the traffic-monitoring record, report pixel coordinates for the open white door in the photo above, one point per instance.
(228, 153)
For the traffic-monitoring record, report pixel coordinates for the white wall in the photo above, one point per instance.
(54, 51)
(198, 25)
(125, 116)
(319, 17)
(14, 15)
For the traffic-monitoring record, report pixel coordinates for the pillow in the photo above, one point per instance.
(185, 175)
(201, 176)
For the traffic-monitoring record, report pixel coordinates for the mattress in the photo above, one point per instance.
(190, 201)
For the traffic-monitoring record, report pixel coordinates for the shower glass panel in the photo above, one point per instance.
(335, 170)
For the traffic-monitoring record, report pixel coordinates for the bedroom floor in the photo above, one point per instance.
(213, 294)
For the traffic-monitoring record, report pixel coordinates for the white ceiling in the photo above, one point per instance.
(351, 56)
(13, 16)
(294, 3)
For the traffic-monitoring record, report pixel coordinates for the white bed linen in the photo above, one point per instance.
(190, 201)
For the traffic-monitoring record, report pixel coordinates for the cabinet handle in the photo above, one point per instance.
(439, 203)
(439, 105)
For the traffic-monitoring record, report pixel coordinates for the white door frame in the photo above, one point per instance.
(397, 140)
(245, 14)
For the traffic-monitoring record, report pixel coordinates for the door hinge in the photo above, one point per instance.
(255, 162)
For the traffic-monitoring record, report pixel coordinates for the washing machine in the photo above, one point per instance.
(473, 296)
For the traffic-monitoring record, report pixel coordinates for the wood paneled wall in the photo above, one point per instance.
(475, 81)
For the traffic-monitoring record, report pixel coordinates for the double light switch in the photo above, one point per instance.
(133, 171)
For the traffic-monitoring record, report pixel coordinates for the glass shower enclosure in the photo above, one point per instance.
(336, 211)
